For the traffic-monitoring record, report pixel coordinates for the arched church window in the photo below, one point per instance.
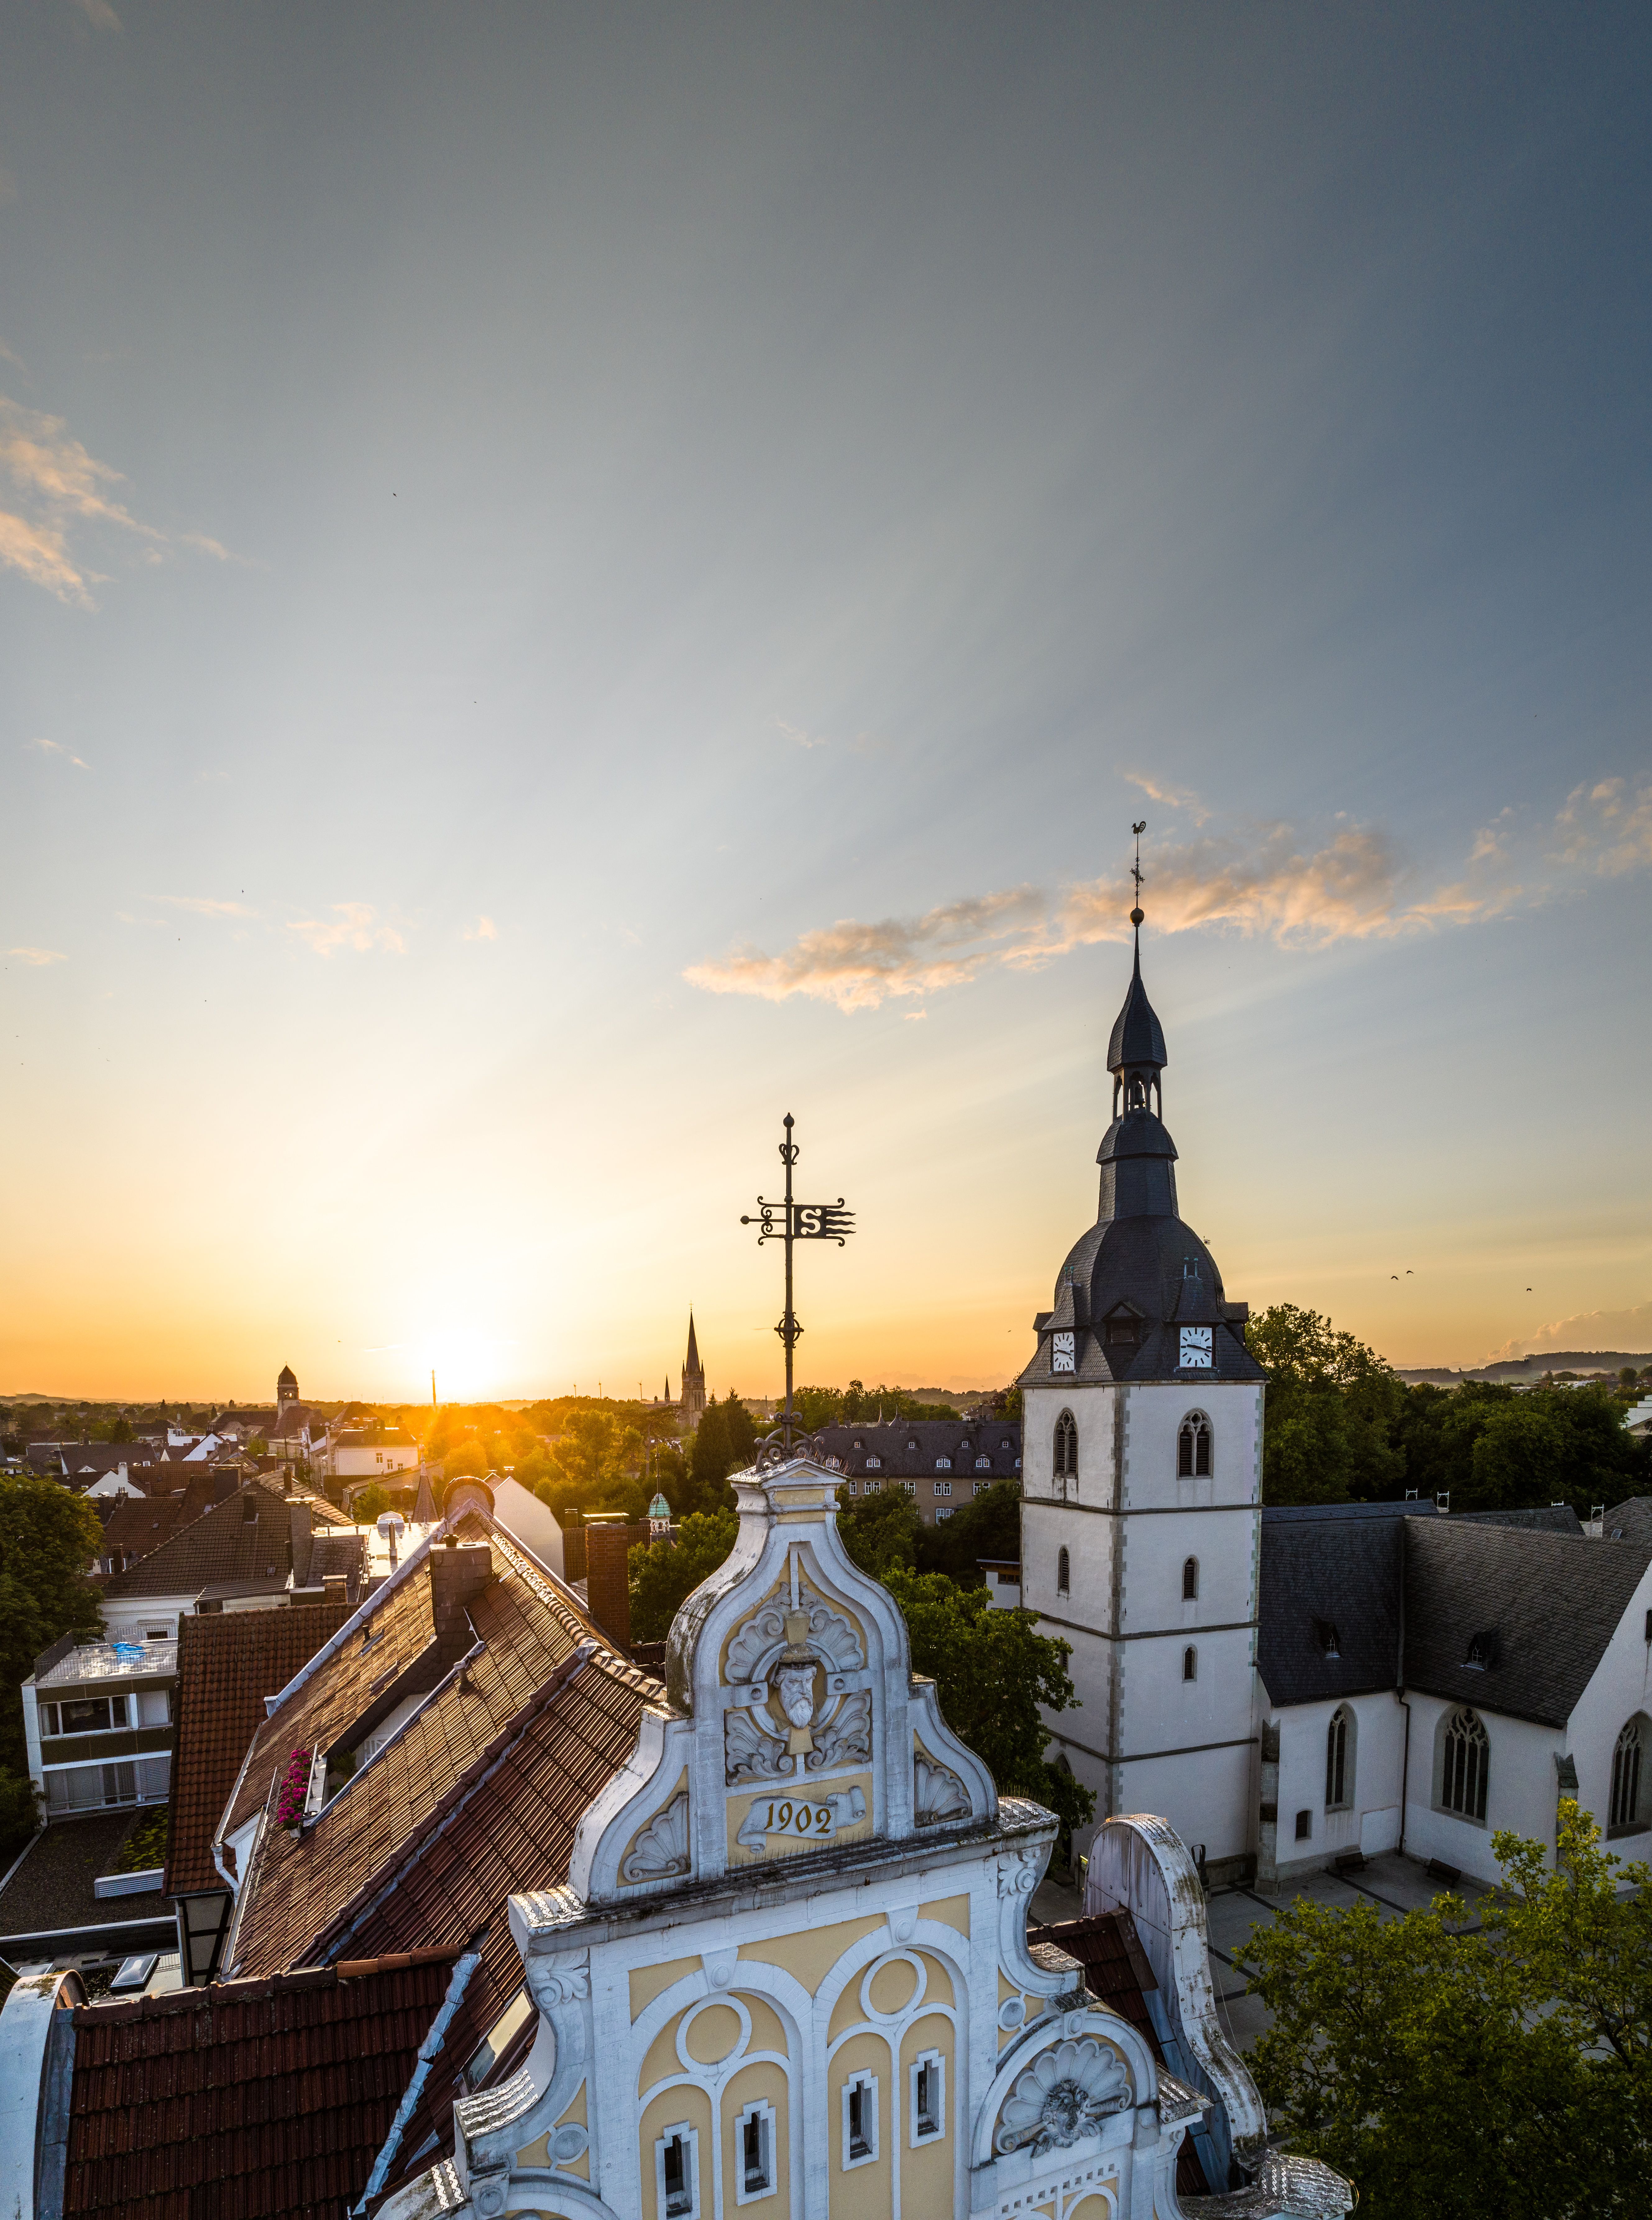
(1625, 1806)
(1190, 1663)
(1467, 1766)
(1066, 1447)
(1193, 1447)
(1063, 1572)
(1339, 1760)
(1190, 1580)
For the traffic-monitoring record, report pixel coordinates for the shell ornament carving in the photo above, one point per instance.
(938, 1794)
(1063, 2096)
(662, 1848)
(749, 1753)
(829, 1635)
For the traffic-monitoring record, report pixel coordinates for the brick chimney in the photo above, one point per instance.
(608, 1582)
(458, 1572)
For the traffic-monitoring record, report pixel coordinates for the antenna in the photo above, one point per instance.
(1138, 912)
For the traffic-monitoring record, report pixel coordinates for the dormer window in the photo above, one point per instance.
(1123, 1329)
(1325, 1634)
(942, 1464)
(1483, 1651)
(874, 1464)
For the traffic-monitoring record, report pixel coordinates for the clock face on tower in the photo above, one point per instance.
(1196, 1348)
(1061, 1352)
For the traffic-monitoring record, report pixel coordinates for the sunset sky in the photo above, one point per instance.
(574, 579)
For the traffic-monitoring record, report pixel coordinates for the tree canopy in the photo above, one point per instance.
(725, 1441)
(47, 1539)
(664, 1575)
(1457, 2073)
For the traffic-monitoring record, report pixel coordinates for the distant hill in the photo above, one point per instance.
(1528, 1368)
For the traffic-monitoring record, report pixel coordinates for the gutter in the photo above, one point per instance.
(428, 2050)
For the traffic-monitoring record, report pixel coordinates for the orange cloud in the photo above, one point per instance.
(352, 925)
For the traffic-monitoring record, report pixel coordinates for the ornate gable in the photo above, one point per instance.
(793, 1724)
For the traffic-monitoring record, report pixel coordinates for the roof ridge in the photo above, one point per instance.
(373, 1890)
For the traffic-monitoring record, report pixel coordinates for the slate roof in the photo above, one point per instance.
(1138, 1037)
(227, 1663)
(137, 1525)
(1549, 1517)
(1552, 1603)
(1630, 1521)
(223, 1545)
(1324, 1566)
(963, 1440)
(269, 2099)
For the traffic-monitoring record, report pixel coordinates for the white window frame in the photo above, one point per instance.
(942, 1464)
(690, 2138)
(874, 1464)
(942, 1487)
(917, 2133)
(865, 2079)
(770, 2119)
(939, 1515)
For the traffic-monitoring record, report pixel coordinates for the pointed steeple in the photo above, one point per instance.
(691, 1363)
(1136, 1050)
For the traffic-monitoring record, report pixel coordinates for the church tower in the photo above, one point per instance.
(692, 1408)
(286, 1391)
(1142, 1483)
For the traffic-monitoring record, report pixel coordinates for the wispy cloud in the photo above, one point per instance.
(38, 955)
(1350, 882)
(483, 929)
(56, 748)
(98, 14)
(352, 925)
(1173, 797)
(204, 906)
(798, 737)
(60, 487)
(1628, 1329)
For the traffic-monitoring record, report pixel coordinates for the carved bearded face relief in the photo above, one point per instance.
(795, 1685)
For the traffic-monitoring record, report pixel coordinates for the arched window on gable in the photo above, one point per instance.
(1339, 1760)
(1190, 1663)
(1465, 1769)
(1063, 1572)
(1067, 1447)
(1625, 1813)
(1190, 1581)
(1193, 1447)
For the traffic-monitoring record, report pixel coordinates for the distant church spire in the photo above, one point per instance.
(692, 1407)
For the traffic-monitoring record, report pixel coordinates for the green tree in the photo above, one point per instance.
(881, 1530)
(992, 1672)
(725, 1441)
(1331, 1411)
(49, 1537)
(1458, 2073)
(989, 1525)
(818, 1407)
(372, 1501)
(465, 1459)
(663, 1574)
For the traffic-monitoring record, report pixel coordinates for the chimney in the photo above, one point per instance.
(606, 1578)
(332, 1587)
(303, 1543)
(455, 1576)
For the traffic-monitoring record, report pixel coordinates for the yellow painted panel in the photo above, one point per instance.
(949, 1911)
(713, 2035)
(683, 2104)
(893, 1987)
(1093, 2208)
(537, 2152)
(788, 1846)
(648, 1982)
(926, 2173)
(662, 2059)
(746, 2085)
(938, 1988)
(768, 2028)
(809, 1955)
(863, 2192)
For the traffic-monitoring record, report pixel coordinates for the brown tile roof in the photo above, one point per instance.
(137, 1525)
(226, 1665)
(248, 2100)
(301, 1884)
(401, 1628)
(223, 1544)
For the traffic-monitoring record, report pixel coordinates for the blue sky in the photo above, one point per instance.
(573, 580)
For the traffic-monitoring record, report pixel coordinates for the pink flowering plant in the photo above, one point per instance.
(289, 1802)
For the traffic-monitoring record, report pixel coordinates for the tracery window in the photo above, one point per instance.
(1624, 1812)
(1193, 1447)
(1339, 1760)
(1467, 1766)
(1066, 1447)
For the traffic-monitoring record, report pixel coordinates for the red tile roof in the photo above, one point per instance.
(227, 1663)
(248, 2100)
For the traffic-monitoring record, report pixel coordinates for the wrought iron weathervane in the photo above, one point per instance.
(789, 1221)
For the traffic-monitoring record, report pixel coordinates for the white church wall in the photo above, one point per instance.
(1156, 1550)
(1368, 1819)
(1205, 1798)
(1521, 1788)
(1153, 1417)
(1619, 1689)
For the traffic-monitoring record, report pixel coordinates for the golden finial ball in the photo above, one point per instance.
(1137, 916)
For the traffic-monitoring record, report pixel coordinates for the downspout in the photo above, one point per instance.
(427, 2050)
